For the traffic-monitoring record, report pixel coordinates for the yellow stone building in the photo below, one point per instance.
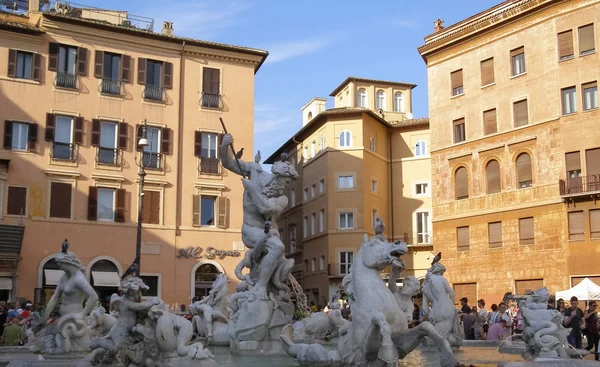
(365, 158)
(515, 146)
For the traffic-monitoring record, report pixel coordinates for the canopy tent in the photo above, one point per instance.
(584, 291)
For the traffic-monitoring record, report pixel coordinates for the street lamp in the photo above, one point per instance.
(143, 142)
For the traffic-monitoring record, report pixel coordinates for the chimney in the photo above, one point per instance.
(167, 29)
(438, 25)
(34, 5)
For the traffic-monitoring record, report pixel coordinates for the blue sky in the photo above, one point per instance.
(313, 45)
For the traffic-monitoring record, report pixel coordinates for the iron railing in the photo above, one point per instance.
(153, 160)
(64, 151)
(209, 165)
(338, 269)
(110, 156)
(66, 80)
(111, 87)
(154, 93)
(211, 100)
(579, 185)
(423, 238)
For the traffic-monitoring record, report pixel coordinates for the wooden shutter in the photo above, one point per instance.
(36, 68)
(586, 38)
(495, 234)
(33, 137)
(459, 130)
(82, 57)
(142, 71)
(146, 206)
(573, 161)
(78, 136)
(50, 122)
(462, 238)
(126, 69)
(8, 134)
(122, 142)
(487, 71)
(594, 223)
(168, 75)
(155, 208)
(120, 206)
(95, 133)
(565, 44)
(222, 212)
(521, 115)
(522, 286)
(592, 162)
(517, 51)
(12, 64)
(198, 143)
(456, 79)
(99, 64)
(17, 199)
(60, 200)
(576, 232)
(93, 203)
(526, 231)
(461, 184)
(489, 122)
(165, 146)
(211, 80)
(196, 210)
(467, 290)
(139, 131)
(53, 56)
(492, 174)
(524, 168)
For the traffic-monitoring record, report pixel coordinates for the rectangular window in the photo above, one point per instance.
(211, 88)
(565, 45)
(568, 100)
(152, 150)
(322, 263)
(151, 207)
(207, 210)
(373, 185)
(67, 60)
(462, 239)
(346, 220)
(313, 224)
(153, 73)
(322, 220)
(60, 200)
(313, 149)
(423, 227)
(528, 286)
(495, 234)
(489, 122)
(459, 130)
(526, 231)
(518, 61)
(106, 205)
(305, 156)
(576, 232)
(17, 201)
(305, 226)
(586, 40)
(107, 151)
(313, 190)
(24, 65)
(20, 136)
(374, 216)
(487, 72)
(594, 223)
(321, 186)
(573, 165)
(210, 145)
(111, 73)
(590, 96)
(456, 80)
(346, 260)
(520, 113)
(345, 182)
(305, 194)
(313, 264)
(152, 282)
(421, 189)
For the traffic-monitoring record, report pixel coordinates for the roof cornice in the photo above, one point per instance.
(370, 81)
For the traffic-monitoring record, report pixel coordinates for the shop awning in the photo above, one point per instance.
(5, 284)
(53, 276)
(106, 279)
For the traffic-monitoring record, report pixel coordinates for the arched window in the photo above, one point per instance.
(372, 143)
(524, 175)
(421, 148)
(492, 175)
(204, 277)
(361, 98)
(461, 183)
(309, 116)
(398, 102)
(380, 100)
(345, 139)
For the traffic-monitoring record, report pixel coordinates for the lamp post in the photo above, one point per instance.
(143, 142)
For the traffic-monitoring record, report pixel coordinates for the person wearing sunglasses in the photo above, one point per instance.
(591, 324)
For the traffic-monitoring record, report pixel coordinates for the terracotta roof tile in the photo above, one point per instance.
(410, 122)
(18, 26)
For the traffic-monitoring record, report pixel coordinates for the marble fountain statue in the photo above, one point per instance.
(321, 327)
(211, 315)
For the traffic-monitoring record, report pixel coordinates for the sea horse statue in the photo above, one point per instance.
(211, 314)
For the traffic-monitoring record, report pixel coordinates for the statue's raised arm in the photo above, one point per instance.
(229, 161)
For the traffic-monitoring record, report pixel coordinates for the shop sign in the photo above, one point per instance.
(196, 252)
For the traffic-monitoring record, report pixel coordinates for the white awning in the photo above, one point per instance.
(106, 279)
(6, 283)
(53, 276)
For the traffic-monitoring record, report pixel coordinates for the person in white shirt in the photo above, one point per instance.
(504, 315)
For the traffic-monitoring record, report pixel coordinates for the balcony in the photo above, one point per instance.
(210, 100)
(210, 166)
(580, 186)
(66, 81)
(64, 151)
(108, 156)
(154, 93)
(111, 87)
(423, 239)
(338, 270)
(154, 160)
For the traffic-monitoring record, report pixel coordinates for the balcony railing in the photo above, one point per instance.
(66, 80)
(211, 100)
(338, 270)
(64, 151)
(209, 165)
(111, 87)
(154, 93)
(579, 185)
(109, 156)
(423, 238)
(153, 160)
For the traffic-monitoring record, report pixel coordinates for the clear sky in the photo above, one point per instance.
(313, 45)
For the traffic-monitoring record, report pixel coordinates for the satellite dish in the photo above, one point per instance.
(409, 115)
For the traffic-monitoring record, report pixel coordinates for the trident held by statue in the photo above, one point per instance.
(237, 159)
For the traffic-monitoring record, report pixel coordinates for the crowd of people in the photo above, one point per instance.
(15, 322)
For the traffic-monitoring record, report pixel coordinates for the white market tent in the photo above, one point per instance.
(584, 291)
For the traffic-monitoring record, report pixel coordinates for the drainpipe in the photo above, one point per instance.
(391, 183)
(179, 147)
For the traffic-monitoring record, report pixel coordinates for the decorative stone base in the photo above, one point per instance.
(551, 363)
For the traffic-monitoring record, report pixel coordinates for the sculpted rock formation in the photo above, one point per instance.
(321, 326)
(100, 322)
(211, 314)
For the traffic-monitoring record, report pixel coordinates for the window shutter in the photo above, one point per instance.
(60, 200)
(586, 38)
(155, 208)
(99, 64)
(206, 80)
(138, 135)
(126, 68)
(492, 172)
(495, 234)
(142, 71)
(526, 231)
(17, 199)
(487, 71)
(197, 143)
(123, 127)
(573, 161)
(565, 44)
(524, 168)
(93, 203)
(82, 56)
(592, 159)
(517, 51)
(165, 146)
(95, 132)
(196, 210)
(461, 185)
(595, 223)
(522, 286)
(50, 122)
(222, 208)
(33, 136)
(8, 134)
(489, 122)
(216, 81)
(576, 232)
(462, 238)
(147, 206)
(78, 136)
(168, 75)
(456, 79)
(521, 115)
(36, 68)
(53, 56)
(120, 206)
(12, 63)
